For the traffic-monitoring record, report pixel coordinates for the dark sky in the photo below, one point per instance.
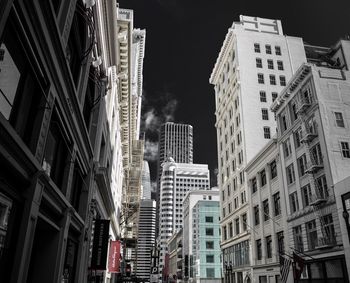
(183, 40)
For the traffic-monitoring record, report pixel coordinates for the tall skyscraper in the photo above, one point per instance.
(146, 181)
(176, 180)
(145, 238)
(254, 65)
(175, 141)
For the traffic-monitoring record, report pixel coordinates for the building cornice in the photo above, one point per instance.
(221, 58)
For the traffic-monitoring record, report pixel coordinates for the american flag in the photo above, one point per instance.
(284, 266)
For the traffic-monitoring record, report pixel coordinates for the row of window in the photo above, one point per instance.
(312, 238)
(261, 79)
(237, 226)
(268, 49)
(262, 177)
(262, 95)
(270, 64)
(268, 246)
(321, 191)
(266, 209)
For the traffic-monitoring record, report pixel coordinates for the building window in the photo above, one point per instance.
(258, 249)
(209, 219)
(327, 222)
(210, 272)
(267, 134)
(237, 226)
(256, 47)
(268, 49)
(268, 240)
(256, 215)
(210, 258)
(223, 212)
(297, 137)
(345, 151)
(270, 64)
(262, 279)
(339, 121)
(209, 231)
(273, 169)
(56, 152)
(298, 238)
(277, 203)
(272, 79)
(282, 80)
(278, 50)
(316, 155)
(22, 101)
(290, 174)
(287, 149)
(261, 78)
(230, 228)
(262, 96)
(264, 114)
(280, 242)
(306, 194)
(254, 185)
(235, 202)
(311, 233)
(294, 113)
(266, 209)
(258, 63)
(283, 122)
(280, 65)
(321, 187)
(302, 165)
(244, 222)
(243, 197)
(262, 178)
(274, 96)
(294, 203)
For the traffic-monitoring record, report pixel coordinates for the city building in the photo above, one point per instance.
(174, 272)
(176, 180)
(267, 223)
(312, 114)
(145, 238)
(131, 46)
(146, 181)
(254, 64)
(68, 138)
(176, 141)
(201, 237)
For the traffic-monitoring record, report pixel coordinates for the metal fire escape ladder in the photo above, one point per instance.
(318, 198)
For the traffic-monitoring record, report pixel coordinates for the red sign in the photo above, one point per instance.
(114, 257)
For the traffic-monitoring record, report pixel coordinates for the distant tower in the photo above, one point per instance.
(175, 141)
(145, 238)
(146, 181)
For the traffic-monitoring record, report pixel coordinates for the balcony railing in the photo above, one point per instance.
(303, 104)
(326, 242)
(308, 135)
(317, 199)
(314, 165)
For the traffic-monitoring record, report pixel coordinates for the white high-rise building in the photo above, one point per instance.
(146, 186)
(177, 179)
(255, 63)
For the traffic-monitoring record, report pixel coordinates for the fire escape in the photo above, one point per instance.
(321, 199)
